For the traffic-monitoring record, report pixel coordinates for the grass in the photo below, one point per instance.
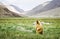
(23, 28)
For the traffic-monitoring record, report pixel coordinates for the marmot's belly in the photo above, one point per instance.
(40, 30)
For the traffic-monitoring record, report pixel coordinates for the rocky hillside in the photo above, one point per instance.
(8, 12)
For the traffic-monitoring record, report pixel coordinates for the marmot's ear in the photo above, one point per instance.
(37, 22)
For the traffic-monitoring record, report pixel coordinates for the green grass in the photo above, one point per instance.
(23, 28)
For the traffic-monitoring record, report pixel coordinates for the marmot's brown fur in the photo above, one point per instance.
(39, 27)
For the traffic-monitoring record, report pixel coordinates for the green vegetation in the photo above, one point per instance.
(23, 28)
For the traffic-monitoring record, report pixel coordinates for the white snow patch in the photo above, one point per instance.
(23, 29)
(47, 23)
(45, 3)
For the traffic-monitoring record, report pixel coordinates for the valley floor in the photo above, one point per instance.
(23, 28)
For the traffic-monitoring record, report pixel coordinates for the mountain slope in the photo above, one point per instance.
(44, 7)
(17, 8)
(50, 13)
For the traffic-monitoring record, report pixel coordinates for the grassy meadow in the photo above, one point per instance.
(23, 28)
